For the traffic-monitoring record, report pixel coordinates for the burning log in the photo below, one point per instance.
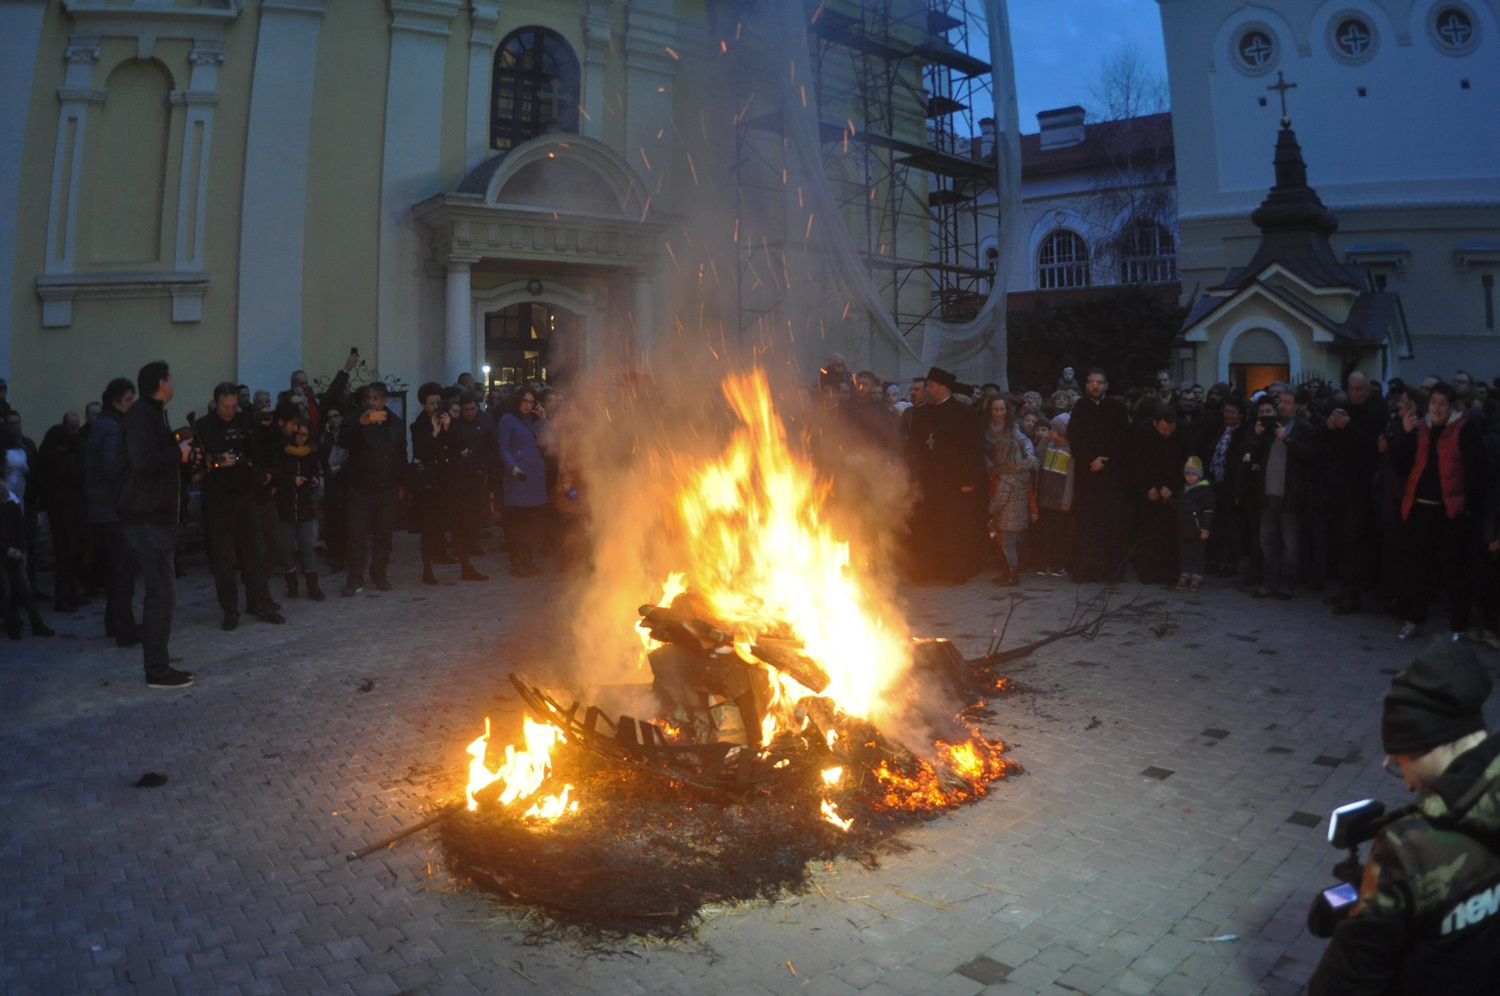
(786, 656)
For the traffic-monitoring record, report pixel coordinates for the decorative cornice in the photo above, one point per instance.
(87, 95)
(207, 54)
(424, 17)
(82, 50)
(126, 19)
(312, 8)
(59, 291)
(200, 97)
(483, 17)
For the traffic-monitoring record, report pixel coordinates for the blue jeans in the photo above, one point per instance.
(299, 541)
(155, 549)
(1279, 529)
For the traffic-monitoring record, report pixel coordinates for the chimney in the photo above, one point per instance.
(986, 138)
(1061, 128)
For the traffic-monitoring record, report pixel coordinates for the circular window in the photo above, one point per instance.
(1453, 28)
(1351, 38)
(1254, 49)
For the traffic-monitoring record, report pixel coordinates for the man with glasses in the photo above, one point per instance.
(1428, 916)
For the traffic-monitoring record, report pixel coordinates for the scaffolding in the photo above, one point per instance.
(897, 95)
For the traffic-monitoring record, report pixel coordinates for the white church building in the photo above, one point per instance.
(1396, 108)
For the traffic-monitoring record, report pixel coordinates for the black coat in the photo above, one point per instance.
(377, 453)
(101, 472)
(1095, 430)
(296, 502)
(150, 484)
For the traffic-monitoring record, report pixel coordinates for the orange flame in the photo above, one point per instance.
(765, 558)
(522, 772)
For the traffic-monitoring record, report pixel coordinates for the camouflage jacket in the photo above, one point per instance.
(1428, 916)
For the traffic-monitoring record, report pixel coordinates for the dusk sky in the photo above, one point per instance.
(1060, 46)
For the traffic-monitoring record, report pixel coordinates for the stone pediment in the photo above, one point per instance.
(556, 198)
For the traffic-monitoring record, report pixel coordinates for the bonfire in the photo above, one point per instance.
(794, 716)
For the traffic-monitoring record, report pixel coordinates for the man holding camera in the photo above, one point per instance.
(1428, 916)
(231, 518)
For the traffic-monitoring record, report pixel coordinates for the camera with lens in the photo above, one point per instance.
(1268, 422)
(1348, 826)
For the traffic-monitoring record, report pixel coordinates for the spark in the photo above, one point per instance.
(645, 158)
(672, 52)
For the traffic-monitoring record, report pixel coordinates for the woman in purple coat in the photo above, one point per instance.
(524, 479)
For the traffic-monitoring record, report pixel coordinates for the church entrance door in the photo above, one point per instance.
(531, 340)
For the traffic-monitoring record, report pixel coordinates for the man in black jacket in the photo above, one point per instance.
(376, 442)
(231, 519)
(61, 496)
(150, 492)
(101, 488)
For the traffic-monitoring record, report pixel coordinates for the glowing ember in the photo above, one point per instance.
(522, 774)
(831, 814)
(969, 767)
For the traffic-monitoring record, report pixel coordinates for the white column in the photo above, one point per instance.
(201, 96)
(274, 204)
(410, 172)
(459, 354)
(20, 41)
(650, 74)
(74, 97)
(643, 314)
(595, 54)
(482, 17)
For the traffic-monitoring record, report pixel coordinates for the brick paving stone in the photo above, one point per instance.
(277, 764)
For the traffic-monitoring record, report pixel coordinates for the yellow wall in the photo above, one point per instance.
(57, 369)
(342, 239)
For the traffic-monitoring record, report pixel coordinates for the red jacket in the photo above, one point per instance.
(1450, 468)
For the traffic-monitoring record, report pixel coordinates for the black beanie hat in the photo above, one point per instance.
(1435, 701)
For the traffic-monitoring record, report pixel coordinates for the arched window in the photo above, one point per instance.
(1063, 261)
(535, 87)
(1148, 254)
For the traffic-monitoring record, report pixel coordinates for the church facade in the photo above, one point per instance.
(1398, 122)
(537, 187)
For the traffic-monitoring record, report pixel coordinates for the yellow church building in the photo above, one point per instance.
(540, 187)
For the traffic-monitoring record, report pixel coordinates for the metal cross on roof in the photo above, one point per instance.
(1282, 86)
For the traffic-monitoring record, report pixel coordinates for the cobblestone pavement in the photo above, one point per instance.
(1165, 838)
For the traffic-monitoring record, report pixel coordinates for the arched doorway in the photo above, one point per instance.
(1258, 357)
(531, 340)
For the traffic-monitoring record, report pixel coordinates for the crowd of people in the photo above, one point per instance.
(1378, 495)
(1375, 495)
(306, 483)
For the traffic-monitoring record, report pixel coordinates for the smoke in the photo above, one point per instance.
(635, 437)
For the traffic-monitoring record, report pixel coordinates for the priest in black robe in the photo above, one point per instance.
(945, 450)
(1099, 433)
